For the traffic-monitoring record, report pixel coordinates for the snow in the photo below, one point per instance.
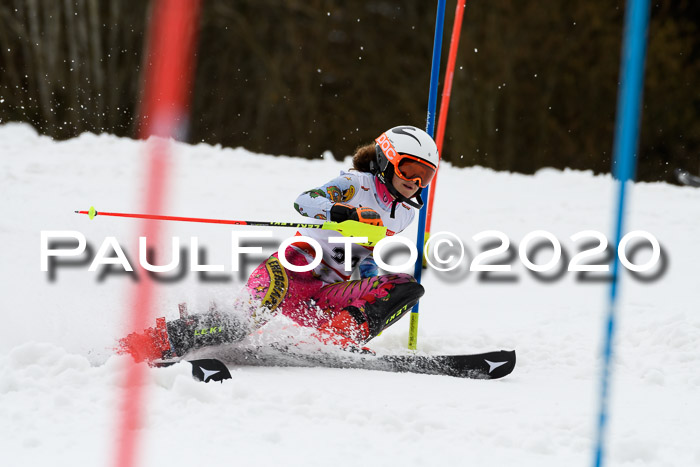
(60, 382)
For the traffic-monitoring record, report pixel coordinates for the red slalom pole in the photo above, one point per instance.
(445, 103)
(170, 58)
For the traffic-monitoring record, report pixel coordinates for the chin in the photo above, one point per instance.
(406, 192)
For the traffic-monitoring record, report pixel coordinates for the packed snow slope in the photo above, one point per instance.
(60, 381)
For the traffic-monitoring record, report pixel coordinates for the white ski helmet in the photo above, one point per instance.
(409, 153)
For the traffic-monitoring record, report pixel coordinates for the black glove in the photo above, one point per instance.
(343, 212)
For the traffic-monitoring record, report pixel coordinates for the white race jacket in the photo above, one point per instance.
(358, 189)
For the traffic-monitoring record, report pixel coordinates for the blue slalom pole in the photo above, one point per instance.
(628, 117)
(430, 129)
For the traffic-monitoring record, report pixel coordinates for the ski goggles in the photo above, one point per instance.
(412, 169)
(407, 167)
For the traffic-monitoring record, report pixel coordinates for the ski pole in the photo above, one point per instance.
(346, 228)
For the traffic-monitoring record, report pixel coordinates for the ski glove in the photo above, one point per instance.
(343, 212)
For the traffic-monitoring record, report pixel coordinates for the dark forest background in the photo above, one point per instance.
(535, 84)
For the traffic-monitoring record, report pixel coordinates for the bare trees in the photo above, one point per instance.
(535, 83)
(70, 66)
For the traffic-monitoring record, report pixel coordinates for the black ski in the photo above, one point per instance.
(205, 369)
(490, 365)
(686, 178)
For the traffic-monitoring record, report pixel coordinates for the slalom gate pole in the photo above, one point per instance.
(430, 129)
(170, 52)
(628, 116)
(445, 105)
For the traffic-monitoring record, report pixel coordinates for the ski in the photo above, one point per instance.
(489, 365)
(205, 369)
(686, 178)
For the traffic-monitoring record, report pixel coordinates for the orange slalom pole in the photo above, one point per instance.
(445, 104)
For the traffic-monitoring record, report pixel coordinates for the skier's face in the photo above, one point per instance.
(407, 189)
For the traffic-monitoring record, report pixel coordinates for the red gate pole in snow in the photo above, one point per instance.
(445, 104)
(169, 65)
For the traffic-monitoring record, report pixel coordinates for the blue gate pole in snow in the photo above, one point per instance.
(628, 117)
(430, 129)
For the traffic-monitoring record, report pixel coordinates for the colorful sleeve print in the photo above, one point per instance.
(338, 195)
(316, 203)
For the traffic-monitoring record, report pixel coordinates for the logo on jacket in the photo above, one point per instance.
(340, 196)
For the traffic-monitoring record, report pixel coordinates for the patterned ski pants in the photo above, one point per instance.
(309, 301)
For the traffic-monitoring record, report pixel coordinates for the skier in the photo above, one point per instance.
(381, 189)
